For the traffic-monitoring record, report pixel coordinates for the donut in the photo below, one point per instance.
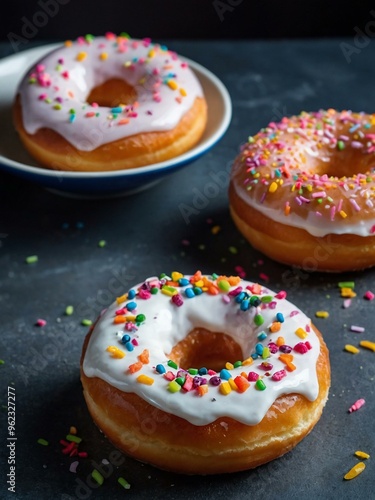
(109, 103)
(302, 191)
(204, 374)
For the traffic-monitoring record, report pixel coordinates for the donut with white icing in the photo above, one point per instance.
(302, 190)
(109, 103)
(204, 374)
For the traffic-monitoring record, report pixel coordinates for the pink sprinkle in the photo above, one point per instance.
(144, 294)
(41, 322)
(293, 313)
(279, 375)
(281, 295)
(169, 376)
(319, 194)
(83, 454)
(42, 97)
(226, 299)
(372, 230)
(73, 466)
(358, 329)
(252, 377)
(355, 204)
(177, 300)
(264, 277)
(40, 68)
(135, 342)
(369, 295)
(357, 405)
(346, 303)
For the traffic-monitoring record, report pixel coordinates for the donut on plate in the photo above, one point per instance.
(204, 374)
(109, 103)
(302, 191)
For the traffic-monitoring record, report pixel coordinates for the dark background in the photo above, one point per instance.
(61, 19)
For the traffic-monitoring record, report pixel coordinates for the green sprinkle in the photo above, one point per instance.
(86, 322)
(346, 284)
(224, 285)
(43, 442)
(258, 319)
(172, 364)
(72, 111)
(154, 290)
(48, 100)
(237, 364)
(174, 386)
(214, 276)
(102, 243)
(57, 106)
(124, 483)
(140, 318)
(31, 259)
(124, 34)
(69, 310)
(193, 371)
(180, 380)
(340, 145)
(233, 250)
(251, 139)
(89, 37)
(260, 385)
(97, 476)
(72, 437)
(2, 362)
(266, 299)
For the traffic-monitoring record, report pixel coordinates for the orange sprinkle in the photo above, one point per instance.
(280, 341)
(287, 209)
(119, 319)
(275, 327)
(123, 121)
(172, 84)
(68, 43)
(202, 389)
(242, 383)
(135, 367)
(103, 56)
(81, 56)
(144, 357)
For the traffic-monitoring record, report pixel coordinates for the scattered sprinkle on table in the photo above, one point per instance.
(357, 329)
(102, 243)
(357, 405)
(69, 310)
(351, 348)
(86, 322)
(124, 483)
(322, 314)
(369, 295)
(43, 442)
(368, 345)
(361, 454)
(355, 471)
(31, 259)
(97, 476)
(40, 322)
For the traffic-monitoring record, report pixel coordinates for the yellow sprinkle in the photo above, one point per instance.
(343, 214)
(322, 314)
(169, 290)
(151, 53)
(199, 283)
(347, 292)
(68, 43)
(81, 56)
(355, 471)
(172, 84)
(247, 362)
(130, 317)
(215, 229)
(115, 352)
(73, 430)
(144, 379)
(232, 384)
(273, 187)
(183, 92)
(351, 348)
(361, 454)
(229, 366)
(300, 332)
(103, 56)
(122, 298)
(225, 388)
(368, 344)
(176, 276)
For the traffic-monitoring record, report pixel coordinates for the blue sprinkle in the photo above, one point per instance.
(72, 117)
(125, 338)
(160, 369)
(118, 109)
(354, 128)
(130, 306)
(189, 292)
(254, 355)
(259, 349)
(197, 290)
(280, 317)
(239, 298)
(203, 371)
(129, 346)
(245, 304)
(131, 294)
(262, 335)
(183, 281)
(225, 374)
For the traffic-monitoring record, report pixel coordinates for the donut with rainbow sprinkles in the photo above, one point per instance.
(109, 103)
(302, 190)
(204, 374)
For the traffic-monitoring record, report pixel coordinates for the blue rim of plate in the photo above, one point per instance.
(105, 181)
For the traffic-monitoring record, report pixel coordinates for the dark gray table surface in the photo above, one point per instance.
(146, 234)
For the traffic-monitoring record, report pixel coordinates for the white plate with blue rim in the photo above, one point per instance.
(16, 160)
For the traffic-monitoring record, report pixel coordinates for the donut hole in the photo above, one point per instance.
(345, 163)
(203, 348)
(112, 93)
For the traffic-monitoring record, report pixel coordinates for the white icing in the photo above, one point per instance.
(145, 66)
(166, 324)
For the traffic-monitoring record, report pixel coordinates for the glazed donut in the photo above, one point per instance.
(204, 374)
(109, 103)
(302, 191)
